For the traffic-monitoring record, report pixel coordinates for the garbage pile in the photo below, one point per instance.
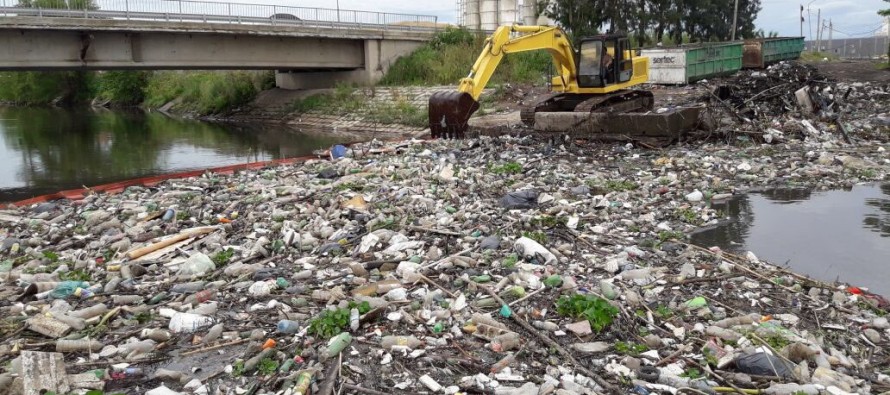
(495, 265)
(789, 98)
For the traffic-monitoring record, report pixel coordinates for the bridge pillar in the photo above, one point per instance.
(379, 54)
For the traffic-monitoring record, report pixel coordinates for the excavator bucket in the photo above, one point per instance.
(449, 113)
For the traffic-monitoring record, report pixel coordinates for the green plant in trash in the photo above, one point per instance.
(630, 348)
(331, 322)
(507, 168)
(510, 260)
(596, 310)
(75, 275)
(538, 236)
(238, 368)
(692, 373)
(666, 235)
(267, 366)
(223, 257)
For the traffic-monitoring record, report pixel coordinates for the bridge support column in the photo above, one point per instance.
(378, 56)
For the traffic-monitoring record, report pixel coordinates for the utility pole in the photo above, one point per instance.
(818, 33)
(735, 17)
(338, 10)
(801, 20)
(830, 30)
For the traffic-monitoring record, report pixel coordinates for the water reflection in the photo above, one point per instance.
(46, 150)
(828, 235)
(879, 220)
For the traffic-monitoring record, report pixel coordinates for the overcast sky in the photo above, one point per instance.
(851, 16)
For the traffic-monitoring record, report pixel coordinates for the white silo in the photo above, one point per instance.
(488, 12)
(508, 12)
(529, 12)
(471, 14)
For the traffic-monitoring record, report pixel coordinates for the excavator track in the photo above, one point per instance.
(619, 102)
(554, 102)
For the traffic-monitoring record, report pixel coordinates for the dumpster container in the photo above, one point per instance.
(690, 63)
(761, 52)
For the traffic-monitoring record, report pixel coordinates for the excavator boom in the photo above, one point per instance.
(449, 112)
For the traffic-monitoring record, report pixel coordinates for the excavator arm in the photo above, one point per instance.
(449, 112)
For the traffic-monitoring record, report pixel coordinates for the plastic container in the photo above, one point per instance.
(505, 342)
(74, 322)
(402, 341)
(78, 345)
(90, 312)
(189, 323)
(65, 289)
(158, 335)
(336, 345)
(187, 288)
(197, 264)
(201, 296)
(288, 326)
(304, 380)
(126, 299)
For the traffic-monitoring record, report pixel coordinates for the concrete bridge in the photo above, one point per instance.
(309, 47)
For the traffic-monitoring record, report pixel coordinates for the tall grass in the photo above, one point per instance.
(449, 57)
(42, 88)
(204, 92)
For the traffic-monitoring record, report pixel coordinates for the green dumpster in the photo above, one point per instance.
(690, 63)
(761, 52)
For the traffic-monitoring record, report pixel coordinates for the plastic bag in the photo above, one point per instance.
(524, 199)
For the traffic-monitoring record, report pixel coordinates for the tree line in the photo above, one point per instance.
(653, 21)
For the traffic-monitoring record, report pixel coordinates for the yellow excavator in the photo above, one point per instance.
(596, 77)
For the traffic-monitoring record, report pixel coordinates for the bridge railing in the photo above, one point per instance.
(206, 11)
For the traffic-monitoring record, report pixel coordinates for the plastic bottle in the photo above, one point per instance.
(112, 284)
(201, 296)
(90, 312)
(78, 345)
(288, 326)
(404, 341)
(126, 373)
(74, 322)
(158, 298)
(189, 323)
(187, 288)
(214, 333)
(126, 299)
(304, 380)
(505, 342)
(336, 345)
(503, 363)
(354, 319)
(158, 335)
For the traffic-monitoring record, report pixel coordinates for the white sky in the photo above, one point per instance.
(852, 16)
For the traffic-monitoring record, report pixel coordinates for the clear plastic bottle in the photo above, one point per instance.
(336, 345)
(90, 312)
(503, 363)
(404, 341)
(78, 345)
(288, 326)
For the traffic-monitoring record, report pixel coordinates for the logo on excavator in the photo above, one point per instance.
(664, 59)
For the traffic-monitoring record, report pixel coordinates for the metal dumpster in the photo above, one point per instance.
(690, 63)
(761, 52)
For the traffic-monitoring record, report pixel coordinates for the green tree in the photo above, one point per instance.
(59, 4)
(886, 13)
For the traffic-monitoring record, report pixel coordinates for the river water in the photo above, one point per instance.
(44, 150)
(831, 235)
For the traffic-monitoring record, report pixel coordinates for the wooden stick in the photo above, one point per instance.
(188, 233)
(431, 230)
(216, 347)
(599, 380)
(327, 386)
(363, 390)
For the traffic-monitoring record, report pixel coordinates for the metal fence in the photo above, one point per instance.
(206, 11)
(854, 48)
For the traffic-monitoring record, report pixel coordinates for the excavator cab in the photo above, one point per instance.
(604, 60)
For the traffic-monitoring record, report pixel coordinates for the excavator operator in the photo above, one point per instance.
(607, 73)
